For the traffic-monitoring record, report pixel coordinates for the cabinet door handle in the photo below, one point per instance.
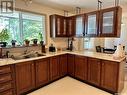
(2, 79)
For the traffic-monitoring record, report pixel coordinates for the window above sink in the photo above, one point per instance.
(23, 25)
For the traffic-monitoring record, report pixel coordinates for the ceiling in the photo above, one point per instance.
(70, 5)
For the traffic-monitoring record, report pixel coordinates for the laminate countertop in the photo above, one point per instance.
(103, 56)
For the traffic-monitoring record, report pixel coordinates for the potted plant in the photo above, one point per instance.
(13, 42)
(27, 42)
(41, 38)
(3, 37)
(34, 41)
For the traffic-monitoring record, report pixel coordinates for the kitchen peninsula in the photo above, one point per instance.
(97, 69)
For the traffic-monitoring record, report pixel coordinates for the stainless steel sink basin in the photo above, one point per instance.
(26, 56)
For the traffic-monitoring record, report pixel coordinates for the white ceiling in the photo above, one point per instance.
(70, 5)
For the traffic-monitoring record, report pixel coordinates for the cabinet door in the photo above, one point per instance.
(64, 33)
(59, 26)
(110, 22)
(42, 72)
(25, 77)
(63, 65)
(81, 67)
(92, 24)
(80, 25)
(109, 75)
(94, 68)
(71, 26)
(54, 67)
(71, 65)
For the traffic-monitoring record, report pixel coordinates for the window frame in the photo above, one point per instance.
(36, 13)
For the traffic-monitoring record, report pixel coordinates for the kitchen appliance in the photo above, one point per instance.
(52, 48)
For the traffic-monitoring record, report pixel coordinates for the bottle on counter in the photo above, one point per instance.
(0, 52)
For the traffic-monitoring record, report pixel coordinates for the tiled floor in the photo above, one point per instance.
(69, 86)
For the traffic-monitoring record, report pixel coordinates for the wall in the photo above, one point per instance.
(35, 7)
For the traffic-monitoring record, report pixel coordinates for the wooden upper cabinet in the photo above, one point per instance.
(71, 65)
(110, 22)
(54, 68)
(57, 26)
(42, 71)
(81, 67)
(71, 26)
(92, 22)
(80, 25)
(94, 71)
(25, 77)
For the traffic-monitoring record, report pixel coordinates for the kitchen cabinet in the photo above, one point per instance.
(71, 65)
(110, 22)
(63, 65)
(80, 25)
(42, 71)
(25, 77)
(54, 68)
(81, 67)
(92, 23)
(58, 25)
(104, 23)
(112, 76)
(94, 71)
(7, 80)
(71, 26)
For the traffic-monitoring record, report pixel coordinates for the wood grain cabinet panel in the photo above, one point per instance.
(25, 77)
(109, 75)
(42, 71)
(63, 65)
(71, 65)
(54, 68)
(94, 71)
(81, 67)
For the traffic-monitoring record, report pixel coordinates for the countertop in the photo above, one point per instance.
(103, 56)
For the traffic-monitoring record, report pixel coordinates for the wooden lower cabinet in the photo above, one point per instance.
(42, 71)
(7, 80)
(71, 65)
(25, 77)
(54, 68)
(94, 71)
(112, 75)
(63, 65)
(81, 67)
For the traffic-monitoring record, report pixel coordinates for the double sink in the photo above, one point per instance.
(27, 55)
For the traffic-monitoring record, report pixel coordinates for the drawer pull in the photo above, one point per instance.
(5, 87)
(2, 79)
(2, 88)
(5, 70)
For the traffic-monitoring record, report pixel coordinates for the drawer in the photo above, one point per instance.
(5, 69)
(5, 86)
(9, 92)
(5, 78)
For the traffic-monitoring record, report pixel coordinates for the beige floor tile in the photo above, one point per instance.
(69, 86)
